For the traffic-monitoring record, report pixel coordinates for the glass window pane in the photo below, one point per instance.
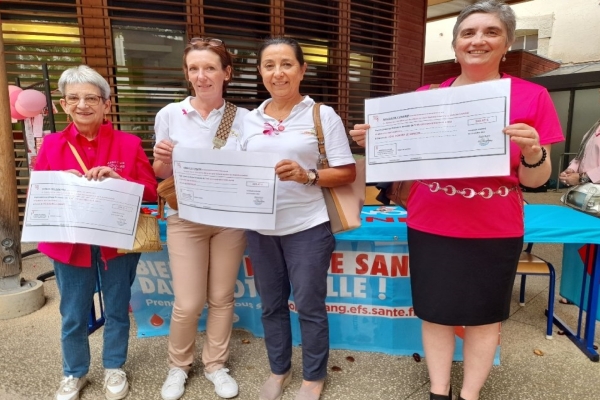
(519, 43)
(561, 103)
(585, 114)
(361, 67)
(532, 42)
(149, 74)
(164, 13)
(243, 90)
(28, 45)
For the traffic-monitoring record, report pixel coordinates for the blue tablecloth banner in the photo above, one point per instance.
(369, 294)
(572, 278)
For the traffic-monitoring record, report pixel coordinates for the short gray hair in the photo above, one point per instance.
(500, 9)
(83, 74)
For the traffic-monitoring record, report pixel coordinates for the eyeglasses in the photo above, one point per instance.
(212, 42)
(89, 99)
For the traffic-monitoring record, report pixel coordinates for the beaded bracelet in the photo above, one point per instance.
(537, 164)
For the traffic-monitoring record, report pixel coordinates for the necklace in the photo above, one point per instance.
(278, 126)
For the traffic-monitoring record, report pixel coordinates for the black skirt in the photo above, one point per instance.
(457, 281)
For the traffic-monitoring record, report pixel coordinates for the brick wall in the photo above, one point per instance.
(518, 63)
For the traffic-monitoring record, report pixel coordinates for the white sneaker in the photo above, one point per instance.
(174, 386)
(115, 384)
(69, 388)
(225, 386)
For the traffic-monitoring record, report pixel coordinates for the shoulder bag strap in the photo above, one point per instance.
(79, 160)
(323, 163)
(224, 129)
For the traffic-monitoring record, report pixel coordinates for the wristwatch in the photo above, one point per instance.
(583, 178)
(313, 177)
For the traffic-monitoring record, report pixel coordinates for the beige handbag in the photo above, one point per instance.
(398, 192)
(147, 232)
(147, 235)
(166, 189)
(344, 203)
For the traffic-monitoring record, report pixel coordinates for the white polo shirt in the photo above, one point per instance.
(183, 125)
(299, 207)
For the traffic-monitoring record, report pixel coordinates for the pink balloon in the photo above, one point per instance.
(14, 114)
(24, 112)
(13, 88)
(13, 97)
(31, 100)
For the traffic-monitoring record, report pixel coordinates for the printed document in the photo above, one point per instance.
(440, 133)
(233, 189)
(62, 207)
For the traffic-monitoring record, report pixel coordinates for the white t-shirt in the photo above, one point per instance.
(299, 207)
(183, 125)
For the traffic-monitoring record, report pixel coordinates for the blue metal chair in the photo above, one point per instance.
(530, 264)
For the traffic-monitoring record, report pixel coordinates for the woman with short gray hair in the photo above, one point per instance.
(83, 75)
(502, 11)
(92, 148)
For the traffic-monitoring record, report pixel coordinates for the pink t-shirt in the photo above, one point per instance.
(496, 217)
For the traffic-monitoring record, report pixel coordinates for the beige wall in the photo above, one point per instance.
(569, 30)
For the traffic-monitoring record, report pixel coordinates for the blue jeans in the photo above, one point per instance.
(300, 260)
(77, 286)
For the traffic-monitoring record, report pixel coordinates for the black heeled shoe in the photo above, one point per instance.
(441, 396)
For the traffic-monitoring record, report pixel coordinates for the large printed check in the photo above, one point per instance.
(62, 207)
(233, 189)
(443, 133)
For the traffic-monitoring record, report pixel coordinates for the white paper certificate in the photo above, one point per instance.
(442, 133)
(62, 207)
(233, 189)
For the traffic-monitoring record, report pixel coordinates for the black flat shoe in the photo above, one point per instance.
(441, 396)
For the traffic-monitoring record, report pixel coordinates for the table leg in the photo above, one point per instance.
(592, 307)
(585, 343)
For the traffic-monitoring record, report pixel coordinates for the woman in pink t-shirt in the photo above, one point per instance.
(465, 235)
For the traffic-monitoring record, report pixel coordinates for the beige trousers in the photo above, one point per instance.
(204, 266)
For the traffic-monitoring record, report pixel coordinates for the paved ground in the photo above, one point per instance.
(30, 357)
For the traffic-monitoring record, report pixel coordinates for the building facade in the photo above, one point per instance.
(564, 31)
(563, 40)
(355, 50)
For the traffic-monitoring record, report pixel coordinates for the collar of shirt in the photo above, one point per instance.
(90, 148)
(305, 103)
(187, 108)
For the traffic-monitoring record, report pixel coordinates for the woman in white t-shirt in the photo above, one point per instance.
(204, 259)
(297, 252)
